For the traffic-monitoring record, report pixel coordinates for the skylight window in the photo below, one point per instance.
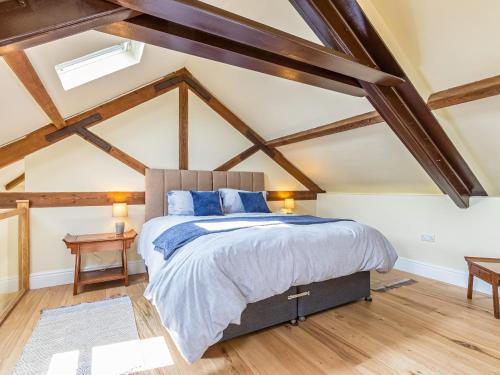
(98, 64)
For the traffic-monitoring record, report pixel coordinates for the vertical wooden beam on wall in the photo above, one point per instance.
(24, 245)
(183, 126)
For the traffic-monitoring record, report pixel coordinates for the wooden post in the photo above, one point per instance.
(24, 245)
(183, 126)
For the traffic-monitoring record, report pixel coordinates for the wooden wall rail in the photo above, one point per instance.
(72, 199)
(83, 199)
(14, 182)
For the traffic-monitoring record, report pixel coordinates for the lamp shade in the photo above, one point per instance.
(289, 203)
(120, 210)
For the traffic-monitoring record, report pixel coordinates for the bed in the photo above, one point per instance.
(225, 285)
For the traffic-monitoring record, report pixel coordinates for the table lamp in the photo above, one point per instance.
(289, 205)
(120, 210)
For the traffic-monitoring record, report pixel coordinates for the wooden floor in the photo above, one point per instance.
(424, 328)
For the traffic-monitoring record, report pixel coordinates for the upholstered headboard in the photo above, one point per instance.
(161, 181)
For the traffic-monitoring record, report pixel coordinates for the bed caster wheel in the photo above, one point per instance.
(368, 299)
(294, 322)
(302, 318)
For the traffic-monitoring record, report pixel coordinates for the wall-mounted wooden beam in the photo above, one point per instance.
(40, 21)
(251, 135)
(342, 25)
(73, 199)
(82, 199)
(15, 182)
(183, 126)
(238, 158)
(158, 32)
(300, 195)
(22, 68)
(49, 134)
(209, 19)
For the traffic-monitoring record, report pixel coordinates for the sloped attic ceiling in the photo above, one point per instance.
(367, 160)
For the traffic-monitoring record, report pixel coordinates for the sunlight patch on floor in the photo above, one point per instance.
(131, 356)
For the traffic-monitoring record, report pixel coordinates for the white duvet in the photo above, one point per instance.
(207, 283)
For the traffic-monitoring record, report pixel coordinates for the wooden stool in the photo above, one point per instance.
(487, 269)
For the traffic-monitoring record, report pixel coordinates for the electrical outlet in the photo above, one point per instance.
(428, 237)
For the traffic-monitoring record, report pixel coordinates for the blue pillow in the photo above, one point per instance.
(254, 202)
(206, 203)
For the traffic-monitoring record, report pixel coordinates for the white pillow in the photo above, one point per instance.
(180, 203)
(231, 201)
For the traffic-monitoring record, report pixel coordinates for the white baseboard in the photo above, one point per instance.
(61, 277)
(440, 273)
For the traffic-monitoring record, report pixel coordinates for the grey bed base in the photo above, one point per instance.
(300, 301)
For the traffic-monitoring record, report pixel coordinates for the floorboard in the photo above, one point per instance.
(424, 328)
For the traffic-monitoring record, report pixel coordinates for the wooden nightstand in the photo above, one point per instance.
(91, 243)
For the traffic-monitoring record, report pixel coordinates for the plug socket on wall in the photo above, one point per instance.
(426, 237)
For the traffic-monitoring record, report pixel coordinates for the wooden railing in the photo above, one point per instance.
(22, 212)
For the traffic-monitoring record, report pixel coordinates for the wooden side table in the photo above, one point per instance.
(487, 269)
(91, 243)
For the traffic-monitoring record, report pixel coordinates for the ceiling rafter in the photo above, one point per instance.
(24, 70)
(342, 25)
(41, 21)
(469, 92)
(161, 33)
(212, 20)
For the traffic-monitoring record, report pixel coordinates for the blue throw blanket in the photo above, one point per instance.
(181, 234)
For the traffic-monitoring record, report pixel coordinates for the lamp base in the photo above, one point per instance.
(287, 211)
(119, 227)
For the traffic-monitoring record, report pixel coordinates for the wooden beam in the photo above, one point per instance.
(342, 25)
(13, 183)
(82, 199)
(115, 152)
(183, 126)
(301, 195)
(209, 19)
(469, 92)
(350, 123)
(40, 21)
(251, 135)
(37, 140)
(22, 68)
(238, 158)
(158, 32)
(73, 199)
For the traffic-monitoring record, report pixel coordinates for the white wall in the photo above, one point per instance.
(404, 218)
(149, 133)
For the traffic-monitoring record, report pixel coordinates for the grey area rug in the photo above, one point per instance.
(65, 339)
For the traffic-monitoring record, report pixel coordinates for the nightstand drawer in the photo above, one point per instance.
(101, 246)
(480, 273)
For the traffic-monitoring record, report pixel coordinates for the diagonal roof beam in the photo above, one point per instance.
(342, 25)
(249, 133)
(161, 33)
(22, 68)
(35, 22)
(469, 92)
(49, 134)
